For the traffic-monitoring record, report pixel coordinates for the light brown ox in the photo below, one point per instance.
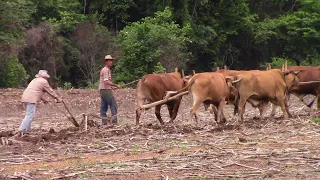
(153, 87)
(232, 74)
(208, 88)
(260, 87)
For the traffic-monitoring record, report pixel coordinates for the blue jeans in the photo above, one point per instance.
(107, 99)
(30, 112)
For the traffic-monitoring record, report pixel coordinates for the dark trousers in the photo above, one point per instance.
(107, 99)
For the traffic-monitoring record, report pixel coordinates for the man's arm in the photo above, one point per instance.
(47, 88)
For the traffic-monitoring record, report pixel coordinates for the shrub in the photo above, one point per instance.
(16, 74)
(67, 85)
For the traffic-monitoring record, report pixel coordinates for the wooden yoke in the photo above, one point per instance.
(146, 106)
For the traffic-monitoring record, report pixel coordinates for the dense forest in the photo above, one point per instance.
(70, 38)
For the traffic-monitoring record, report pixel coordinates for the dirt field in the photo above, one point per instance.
(273, 148)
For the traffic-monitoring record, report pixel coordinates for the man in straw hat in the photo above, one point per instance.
(32, 95)
(105, 87)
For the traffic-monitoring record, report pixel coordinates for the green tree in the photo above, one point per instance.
(294, 35)
(150, 44)
(65, 14)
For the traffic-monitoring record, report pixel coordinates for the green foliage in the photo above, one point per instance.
(70, 37)
(14, 16)
(15, 73)
(63, 14)
(277, 62)
(115, 12)
(67, 85)
(315, 119)
(93, 85)
(295, 35)
(221, 31)
(159, 69)
(144, 44)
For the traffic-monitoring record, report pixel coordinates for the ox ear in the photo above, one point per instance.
(233, 80)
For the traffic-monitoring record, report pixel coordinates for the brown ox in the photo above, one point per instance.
(153, 87)
(208, 88)
(260, 87)
(309, 78)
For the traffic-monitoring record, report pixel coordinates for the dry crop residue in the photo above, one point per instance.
(270, 148)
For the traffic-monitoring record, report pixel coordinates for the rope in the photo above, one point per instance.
(130, 83)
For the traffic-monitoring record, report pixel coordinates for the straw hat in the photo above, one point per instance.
(42, 73)
(108, 57)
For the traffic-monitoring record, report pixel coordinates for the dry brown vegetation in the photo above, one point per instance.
(274, 148)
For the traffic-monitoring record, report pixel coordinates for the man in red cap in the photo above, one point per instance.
(105, 87)
(32, 95)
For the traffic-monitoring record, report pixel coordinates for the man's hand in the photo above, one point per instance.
(59, 100)
(115, 86)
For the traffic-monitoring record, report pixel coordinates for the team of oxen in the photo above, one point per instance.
(215, 89)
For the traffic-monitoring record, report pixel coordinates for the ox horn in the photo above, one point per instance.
(176, 69)
(282, 69)
(236, 81)
(286, 66)
(269, 66)
(194, 72)
(218, 68)
(182, 72)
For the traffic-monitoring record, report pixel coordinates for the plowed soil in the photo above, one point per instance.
(269, 148)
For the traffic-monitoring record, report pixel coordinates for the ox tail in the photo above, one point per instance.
(191, 81)
(144, 90)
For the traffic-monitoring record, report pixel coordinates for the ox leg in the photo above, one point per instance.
(170, 109)
(262, 108)
(318, 102)
(141, 99)
(241, 108)
(273, 111)
(193, 112)
(286, 101)
(175, 111)
(220, 116)
(283, 108)
(157, 112)
(138, 114)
